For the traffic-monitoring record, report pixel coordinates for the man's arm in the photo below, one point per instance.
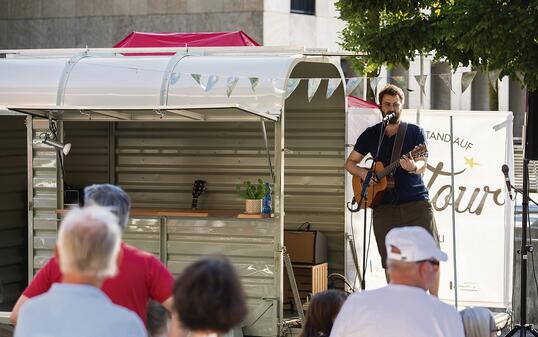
(351, 165)
(15, 312)
(417, 166)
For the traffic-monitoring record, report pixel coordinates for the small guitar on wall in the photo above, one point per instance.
(384, 182)
(198, 188)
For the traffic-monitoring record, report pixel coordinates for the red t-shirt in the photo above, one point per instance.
(141, 276)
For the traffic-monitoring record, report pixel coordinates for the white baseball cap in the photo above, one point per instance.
(412, 244)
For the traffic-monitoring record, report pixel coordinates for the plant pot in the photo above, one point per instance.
(253, 206)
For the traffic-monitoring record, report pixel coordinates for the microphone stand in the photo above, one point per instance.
(364, 198)
(523, 327)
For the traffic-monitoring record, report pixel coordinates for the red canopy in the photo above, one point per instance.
(355, 102)
(216, 39)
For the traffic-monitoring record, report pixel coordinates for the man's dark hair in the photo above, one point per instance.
(208, 296)
(391, 90)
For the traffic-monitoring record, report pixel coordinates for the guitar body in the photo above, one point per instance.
(374, 190)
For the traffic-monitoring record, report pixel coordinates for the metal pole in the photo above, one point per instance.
(420, 88)
(453, 203)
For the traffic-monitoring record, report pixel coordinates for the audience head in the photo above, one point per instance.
(157, 319)
(208, 296)
(322, 312)
(89, 242)
(478, 322)
(109, 196)
(413, 256)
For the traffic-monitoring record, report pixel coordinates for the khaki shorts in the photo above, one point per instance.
(387, 217)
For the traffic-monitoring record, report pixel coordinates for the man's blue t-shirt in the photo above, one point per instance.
(408, 186)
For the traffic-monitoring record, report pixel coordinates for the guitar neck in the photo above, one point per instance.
(194, 203)
(387, 170)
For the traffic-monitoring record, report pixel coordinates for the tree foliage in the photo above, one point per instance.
(489, 34)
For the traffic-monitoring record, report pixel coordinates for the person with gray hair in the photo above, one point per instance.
(478, 322)
(87, 251)
(141, 275)
(403, 308)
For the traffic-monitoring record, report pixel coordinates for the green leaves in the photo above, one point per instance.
(253, 191)
(491, 34)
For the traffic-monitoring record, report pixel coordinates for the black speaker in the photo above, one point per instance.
(531, 127)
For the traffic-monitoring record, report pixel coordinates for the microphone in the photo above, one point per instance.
(389, 116)
(507, 180)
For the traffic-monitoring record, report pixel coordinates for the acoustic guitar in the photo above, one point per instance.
(384, 181)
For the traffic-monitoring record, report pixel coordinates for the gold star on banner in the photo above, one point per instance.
(470, 162)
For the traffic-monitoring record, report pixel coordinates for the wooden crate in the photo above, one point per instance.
(311, 279)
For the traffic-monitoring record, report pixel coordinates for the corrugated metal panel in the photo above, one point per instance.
(250, 246)
(45, 196)
(314, 176)
(88, 160)
(13, 215)
(157, 163)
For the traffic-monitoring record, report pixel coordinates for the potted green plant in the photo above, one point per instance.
(253, 195)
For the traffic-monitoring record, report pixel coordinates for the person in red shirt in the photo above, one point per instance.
(141, 275)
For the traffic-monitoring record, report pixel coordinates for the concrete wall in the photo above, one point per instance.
(102, 23)
(282, 28)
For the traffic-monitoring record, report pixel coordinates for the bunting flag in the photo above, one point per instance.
(332, 84)
(351, 84)
(421, 80)
(291, 86)
(231, 82)
(313, 85)
(174, 77)
(211, 81)
(466, 79)
(197, 78)
(278, 85)
(447, 80)
(374, 81)
(253, 83)
(493, 77)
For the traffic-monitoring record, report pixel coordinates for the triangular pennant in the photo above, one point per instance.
(197, 77)
(174, 77)
(278, 85)
(421, 80)
(313, 85)
(231, 82)
(291, 86)
(373, 84)
(253, 83)
(332, 84)
(466, 79)
(493, 77)
(352, 84)
(211, 81)
(447, 80)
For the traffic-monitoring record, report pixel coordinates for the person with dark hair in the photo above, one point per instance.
(322, 312)
(405, 201)
(141, 275)
(208, 298)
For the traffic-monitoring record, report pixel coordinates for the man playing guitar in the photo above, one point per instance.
(407, 204)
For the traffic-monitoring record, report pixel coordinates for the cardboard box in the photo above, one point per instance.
(307, 247)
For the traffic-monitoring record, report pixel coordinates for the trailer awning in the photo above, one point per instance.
(165, 113)
(180, 87)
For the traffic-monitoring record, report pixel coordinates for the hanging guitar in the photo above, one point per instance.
(198, 188)
(384, 181)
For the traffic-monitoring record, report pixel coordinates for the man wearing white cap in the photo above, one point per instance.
(402, 308)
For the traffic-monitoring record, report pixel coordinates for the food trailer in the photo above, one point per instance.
(155, 124)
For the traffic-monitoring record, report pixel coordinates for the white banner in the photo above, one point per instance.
(483, 220)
